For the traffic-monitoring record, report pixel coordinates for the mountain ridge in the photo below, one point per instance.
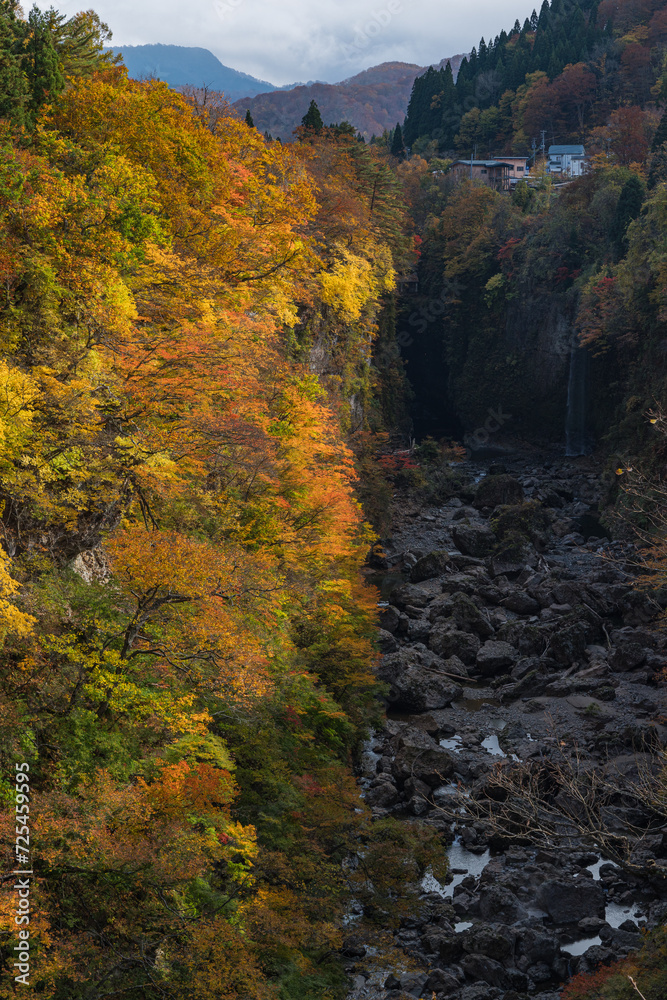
(183, 65)
(372, 100)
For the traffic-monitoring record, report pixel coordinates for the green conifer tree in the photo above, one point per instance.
(397, 144)
(248, 119)
(44, 67)
(312, 120)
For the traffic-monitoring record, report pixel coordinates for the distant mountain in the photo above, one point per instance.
(179, 65)
(372, 101)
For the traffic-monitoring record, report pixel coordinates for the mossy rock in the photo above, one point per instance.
(512, 554)
(529, 520)
(493, 491)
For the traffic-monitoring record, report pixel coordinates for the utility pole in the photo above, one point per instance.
(542, 147)
(534, 148)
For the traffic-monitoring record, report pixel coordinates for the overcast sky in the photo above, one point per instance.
(283, 41)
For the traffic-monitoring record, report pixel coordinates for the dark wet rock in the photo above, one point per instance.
(353, 947)
(418, 679)
(466, 583)
(418, 794)
(530, 639)
(429, 566)
(499, 904)
(447, 945)
(495, 657)
(474, 539)
(590, 926)
(528, 519)
(567, 644)
(394, 621)
(382, 794)
(567, 902)
(440, 981)
(486, 969)
(419, 630)
(621, 941)
(413, 983)
(469, 618)
(447, 641)
(594, 956)
(537, 947)
(420, 757)
(513, 554)
(479, 991)
(628, 656)
(411, 594)
(495, 491)
(386, 642)
(492, 940)
(520, 603)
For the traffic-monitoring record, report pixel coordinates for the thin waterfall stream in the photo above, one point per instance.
(577, 434)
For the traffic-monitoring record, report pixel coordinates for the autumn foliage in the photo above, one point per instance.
(187, 647)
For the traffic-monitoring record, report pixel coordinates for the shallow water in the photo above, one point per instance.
(462, 859)
(579, 947)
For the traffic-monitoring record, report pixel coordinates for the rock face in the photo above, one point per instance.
(92, 565)
(569, 902)
(494, 657)
(432, 565)
(523, 649)
(418, 678)
(474, 539)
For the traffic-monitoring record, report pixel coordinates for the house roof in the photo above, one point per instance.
(482, 163)
(566, 151)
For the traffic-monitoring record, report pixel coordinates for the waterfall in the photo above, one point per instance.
(577, 437)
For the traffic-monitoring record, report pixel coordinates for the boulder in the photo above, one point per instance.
(568, 902)
(448, 641)
(440, 981)
(418, 679)
(567, 645)
(468, 616)
(394, 621)
(382, 794)
(386, 642)
(494, 657)
(486, 969)
(628, 656)
(493, 940)
(500, 905)
(494, 491)
(512, 556)
(429, 566)
(537, 947)
(448, 946)
(473, 539)
(420, 757)
(521, 603)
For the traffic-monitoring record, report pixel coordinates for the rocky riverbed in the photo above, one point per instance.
(512, 633)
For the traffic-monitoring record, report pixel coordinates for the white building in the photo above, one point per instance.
(567, 161)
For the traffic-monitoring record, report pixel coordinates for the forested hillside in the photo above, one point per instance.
(562, 72)
(187, 649)
(373, 101)
(200, 335)
(511, 284)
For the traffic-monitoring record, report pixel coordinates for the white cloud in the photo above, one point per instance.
(296, 40)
